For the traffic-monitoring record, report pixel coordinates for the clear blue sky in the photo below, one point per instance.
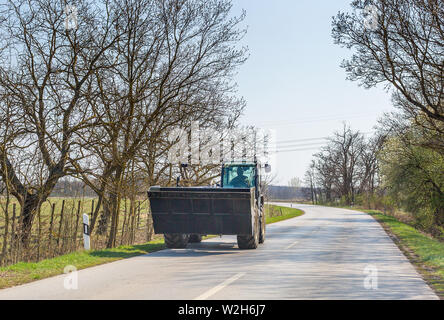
(293, 82)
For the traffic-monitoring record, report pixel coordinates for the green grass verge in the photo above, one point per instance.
(425, 252)
(24, 272)
(284, 213)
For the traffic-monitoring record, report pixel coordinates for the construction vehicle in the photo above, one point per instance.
(234, 207)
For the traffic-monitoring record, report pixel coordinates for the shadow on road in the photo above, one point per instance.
(201, 249)
(128, 251)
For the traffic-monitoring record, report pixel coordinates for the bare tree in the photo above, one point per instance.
(342, 168)
(295, 182)
(172, 66)
(310, 176)
(43, 72)
(403, 48)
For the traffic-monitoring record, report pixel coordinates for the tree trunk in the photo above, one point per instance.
(102, 225)
(114, 221)
(6, 226)
(115, 207)
(30, 206)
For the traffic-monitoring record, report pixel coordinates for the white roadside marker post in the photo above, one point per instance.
(86, 242)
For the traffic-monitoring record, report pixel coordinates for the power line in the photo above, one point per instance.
(316, 119)
(295, 150)
(301, 140)
(301, 145)
(313, 139)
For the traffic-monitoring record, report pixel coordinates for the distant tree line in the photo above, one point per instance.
(72, 188)
(288, 193)
(345, 168)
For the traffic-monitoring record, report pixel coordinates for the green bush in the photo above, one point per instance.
(414, 179)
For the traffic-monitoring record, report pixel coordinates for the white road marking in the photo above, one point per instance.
(292, 245)
(219, 287)
(316, 230)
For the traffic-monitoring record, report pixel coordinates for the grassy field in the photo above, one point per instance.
(25, 272)
(278, 213)
(57, 227)
(425, 252)
(70, 206)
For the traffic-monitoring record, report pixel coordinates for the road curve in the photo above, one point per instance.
(328, 253)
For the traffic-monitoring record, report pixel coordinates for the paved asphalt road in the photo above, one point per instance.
(327, 253)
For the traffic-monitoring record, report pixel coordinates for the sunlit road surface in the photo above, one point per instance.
(327, 253)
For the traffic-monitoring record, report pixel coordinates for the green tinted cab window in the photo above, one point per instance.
(232, 179)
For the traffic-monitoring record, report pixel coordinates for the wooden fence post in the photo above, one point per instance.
(51, 222)
(13, 230)
(76, 228)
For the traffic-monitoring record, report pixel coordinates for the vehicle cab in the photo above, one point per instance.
(243, 175)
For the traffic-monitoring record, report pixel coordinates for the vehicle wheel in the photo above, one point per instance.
(262, 234)
(195, 238)
(176, 240)
(250, 241)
